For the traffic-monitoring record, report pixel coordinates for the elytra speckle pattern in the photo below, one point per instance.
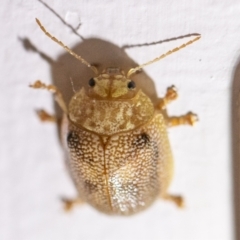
(123, 173)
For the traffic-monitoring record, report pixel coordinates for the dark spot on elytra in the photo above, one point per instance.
(142, 141)
(90, 187)
(72, 139)
(145, 137)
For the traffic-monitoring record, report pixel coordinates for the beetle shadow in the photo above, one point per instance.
(69, 74)
(235, 115)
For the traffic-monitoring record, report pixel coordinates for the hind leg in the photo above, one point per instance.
(68, 203)
(178, 200)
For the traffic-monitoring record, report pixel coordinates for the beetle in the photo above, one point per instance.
(118, 152)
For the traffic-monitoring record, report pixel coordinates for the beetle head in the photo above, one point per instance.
(112, 83)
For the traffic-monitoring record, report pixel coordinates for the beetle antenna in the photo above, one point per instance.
(134, 70)
(66, 48)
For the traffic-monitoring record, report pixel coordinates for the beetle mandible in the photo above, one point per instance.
(116, 139)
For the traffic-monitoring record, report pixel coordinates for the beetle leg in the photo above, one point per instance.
(45, 116)
(68, 203)
(187, 119)
(54, 90)
(170, 96)
(177, 199)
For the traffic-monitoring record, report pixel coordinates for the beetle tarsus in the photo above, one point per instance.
(170, 96)
(45, 116)
(58, 95)
(177, 199)
(68, 203)
(187, 119)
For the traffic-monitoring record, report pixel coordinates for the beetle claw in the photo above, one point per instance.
(45, 116)
(170, 96)
(68, 203)
(177, 199)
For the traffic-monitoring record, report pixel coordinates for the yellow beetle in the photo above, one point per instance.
(116, 140)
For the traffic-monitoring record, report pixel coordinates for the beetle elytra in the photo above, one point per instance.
(116, 140)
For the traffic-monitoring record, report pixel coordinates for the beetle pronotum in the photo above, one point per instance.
(116, 139)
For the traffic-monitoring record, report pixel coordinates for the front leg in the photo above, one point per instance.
(58, 95)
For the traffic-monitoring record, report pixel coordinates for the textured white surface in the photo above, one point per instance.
(32, 173)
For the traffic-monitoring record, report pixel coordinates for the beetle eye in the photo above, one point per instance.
(91, 82)
(131, 85)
